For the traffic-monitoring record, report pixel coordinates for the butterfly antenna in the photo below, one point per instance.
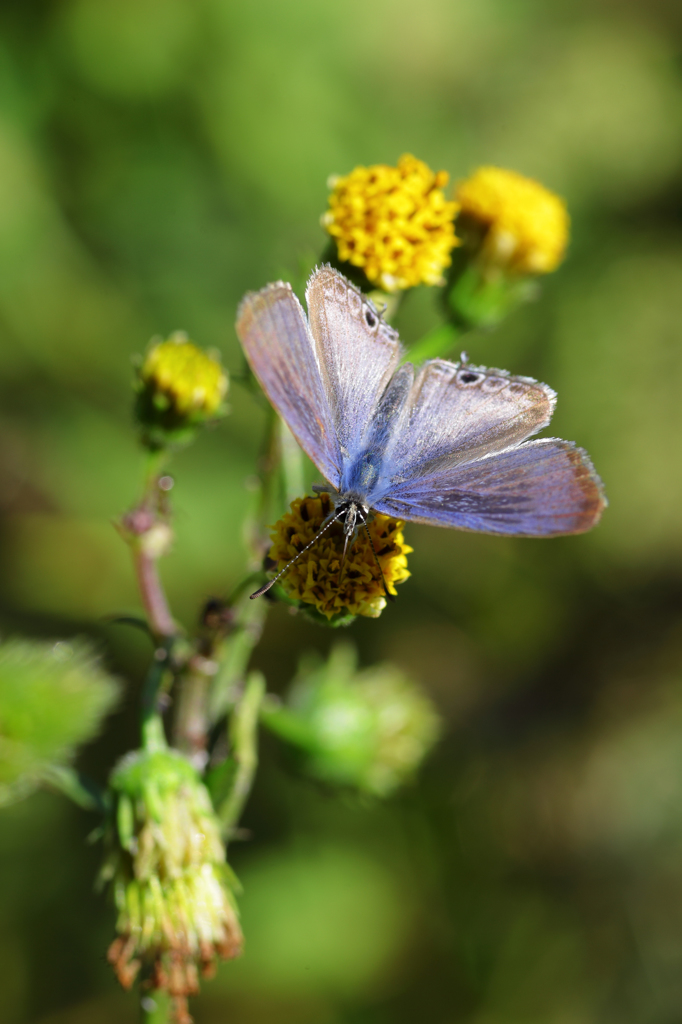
(391, 597)
(271, 583)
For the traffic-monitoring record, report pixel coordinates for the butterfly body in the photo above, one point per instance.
(445, 444)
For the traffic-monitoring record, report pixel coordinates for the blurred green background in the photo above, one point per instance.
(158, 158)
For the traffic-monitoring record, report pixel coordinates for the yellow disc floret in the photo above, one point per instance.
(314, 578)
(184, 378)
(526, 226)
(395, 223)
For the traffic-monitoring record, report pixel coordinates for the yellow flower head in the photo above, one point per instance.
(526, 226)
(184, 378)
(394, 223)
(314, 578)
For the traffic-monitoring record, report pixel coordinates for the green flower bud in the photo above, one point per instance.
(179, 387)
(369, 729)
(53, 697)
(167, 871)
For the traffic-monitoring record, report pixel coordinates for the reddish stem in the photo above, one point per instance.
(153, 597)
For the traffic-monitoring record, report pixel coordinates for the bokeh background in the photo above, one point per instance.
(158, 158)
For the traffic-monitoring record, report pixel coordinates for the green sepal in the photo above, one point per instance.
(125, 821)
(340, 620)
(310, 612)
(480, 297)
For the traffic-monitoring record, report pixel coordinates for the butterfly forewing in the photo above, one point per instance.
(276, 339)
(357, 351)
(539, 489)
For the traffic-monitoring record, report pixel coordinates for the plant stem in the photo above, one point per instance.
(250, 615)
(279, 720)
(153, 735)
(155, 1007)
(148, 534)
(292, 464)
(236, 654)
(268, 498)
(156, 460)
(191, 716)
(243, 734)
(437, 342)
(151, 590)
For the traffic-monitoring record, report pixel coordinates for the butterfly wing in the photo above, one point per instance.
(541, 488)
(457, 413)
(357, 351)
(272, 328)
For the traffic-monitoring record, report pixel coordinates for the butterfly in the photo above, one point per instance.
(444, 444)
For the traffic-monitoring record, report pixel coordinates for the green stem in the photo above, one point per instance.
(292, 464)
(191, 716)
(243, 734)
(155, 1007)
(250, 615)
(279, 720)
(269, 464)
(437, 343)
(236, 655)
(153, 735)
(156, 460)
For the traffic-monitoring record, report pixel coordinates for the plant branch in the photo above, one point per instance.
(437, 343)
(155, 1007)
(153, 735)
(243, 734)
(292, 464)
(235, 656)
(191, 715)
(151, 589)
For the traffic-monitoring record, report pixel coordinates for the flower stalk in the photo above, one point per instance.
(155, 1007)
(243, 734)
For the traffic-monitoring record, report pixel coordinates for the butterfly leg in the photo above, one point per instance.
(343, 556)
(388, 594)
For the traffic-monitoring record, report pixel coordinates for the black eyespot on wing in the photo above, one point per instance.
(468, 377)
(370, 318)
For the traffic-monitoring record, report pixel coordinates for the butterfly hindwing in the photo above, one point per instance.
(542, 488)
(457, 412)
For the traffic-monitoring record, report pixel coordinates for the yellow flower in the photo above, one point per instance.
(526, 226)
(183, 378)
(314, 578)
(393, 222)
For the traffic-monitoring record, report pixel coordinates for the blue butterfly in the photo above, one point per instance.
(444, 444)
